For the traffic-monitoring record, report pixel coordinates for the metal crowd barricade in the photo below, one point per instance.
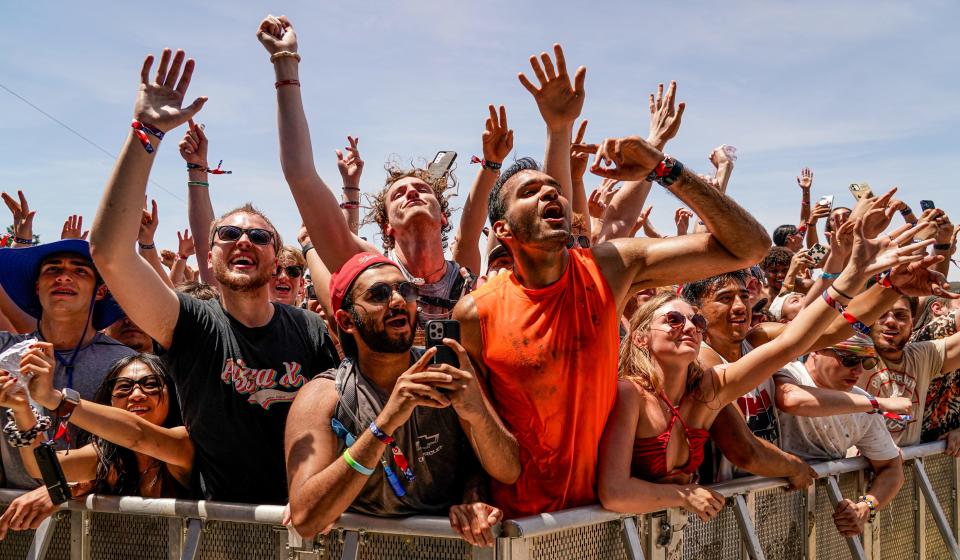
(762, 520)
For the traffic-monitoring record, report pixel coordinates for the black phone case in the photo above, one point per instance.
(927, 205)
(436, 331)
(52, 472)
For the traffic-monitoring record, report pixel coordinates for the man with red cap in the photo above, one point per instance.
(389, 432)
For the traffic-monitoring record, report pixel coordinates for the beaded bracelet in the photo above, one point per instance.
(282, 54)
(17, 438)
(22, 241)
(870, 504)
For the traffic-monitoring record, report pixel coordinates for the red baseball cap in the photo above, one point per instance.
(341, 280)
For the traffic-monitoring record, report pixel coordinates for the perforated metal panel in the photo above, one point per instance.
(779, 522)
(898, 527)
(940, 471)
(239, 541)
(17, 543)
(600, 541)
(128, 536)
(830, 544)
(718, 539)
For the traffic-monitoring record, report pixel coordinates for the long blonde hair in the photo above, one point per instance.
(636, 363)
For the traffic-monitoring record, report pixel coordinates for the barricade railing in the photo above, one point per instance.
(762, 520)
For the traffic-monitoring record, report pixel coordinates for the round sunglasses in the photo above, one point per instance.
(677, 321)
(149, 385)
(852, 361)
(257, 236)
(581, 241)
(380, 292)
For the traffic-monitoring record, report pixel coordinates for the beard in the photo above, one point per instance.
(240, 282)
(529, 230)
(375, 335)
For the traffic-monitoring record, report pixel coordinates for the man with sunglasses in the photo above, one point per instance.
(239, 361)
(385, 433)
(286, 285)
(840, 416)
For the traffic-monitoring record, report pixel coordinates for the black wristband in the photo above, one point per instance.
(146, 247)
(22, 241)
(306, 248)
(906, 211)
(196, 166)
(491, 165)
(942, 246)
(666, 172)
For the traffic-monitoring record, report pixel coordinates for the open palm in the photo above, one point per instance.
(159, 102)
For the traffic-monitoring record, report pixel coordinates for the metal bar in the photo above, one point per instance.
(748, 534)
(833, 490)
(174, 538)
(550, 522)
(351, 545)
(42, 537)
(191, 543)
(631, 538)
(935, 509)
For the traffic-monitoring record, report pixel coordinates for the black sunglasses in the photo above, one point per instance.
(677, 320)
(293, 271)
(380, 292)
(851, 361)
(150, 385)
(257, 236)
(581, 240)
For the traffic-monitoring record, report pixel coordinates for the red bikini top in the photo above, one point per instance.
(650, 453)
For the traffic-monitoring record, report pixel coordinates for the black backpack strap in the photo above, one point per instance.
(345, 382)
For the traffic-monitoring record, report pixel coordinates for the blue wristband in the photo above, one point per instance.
(829, 275)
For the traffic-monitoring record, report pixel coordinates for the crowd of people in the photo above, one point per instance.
(576, 362)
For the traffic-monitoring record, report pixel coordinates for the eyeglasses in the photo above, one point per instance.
(257, 236)
(293, 271)
(851, 361)
(149, 385)
(677, 321)
(381, 291)
(580, 240)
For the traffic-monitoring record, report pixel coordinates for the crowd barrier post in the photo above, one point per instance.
(932, 502)
(833, 490)
(748, 534)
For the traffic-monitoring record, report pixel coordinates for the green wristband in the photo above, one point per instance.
(198, 184)
(355, 465)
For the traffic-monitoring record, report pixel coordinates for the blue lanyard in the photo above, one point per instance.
(349, 439)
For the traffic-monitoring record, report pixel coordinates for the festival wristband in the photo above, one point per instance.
(942, 246)
(491, 165)
(198, 184)
(666, 172)
(22, 241)
(146, 246)
(829, 276)
(398, 455)
(307, 247)
(355, 465)
(883, 279)
(855, 323)
(874, 403)
(141, 130)
(348, 205)
(898, 417)
(870, 504)
(280, 83)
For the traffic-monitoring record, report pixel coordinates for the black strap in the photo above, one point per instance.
(456, 292)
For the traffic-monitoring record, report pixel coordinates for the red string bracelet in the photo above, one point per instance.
(281, 83)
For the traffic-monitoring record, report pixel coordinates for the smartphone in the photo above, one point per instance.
(441, 164)
(826, 200)
(927, 205)
(817, 253)
(311, 292)
(52, 473)
(860, 191)
(436, 331)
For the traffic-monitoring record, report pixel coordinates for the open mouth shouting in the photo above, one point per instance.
(243, 262)
(397, 320)
(553, 214)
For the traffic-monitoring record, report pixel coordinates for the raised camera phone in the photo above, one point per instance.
(927, 205)
(817, 253)
(52, 473)
(436, 331)
(441, 164)
(826, 200)
(860, 191)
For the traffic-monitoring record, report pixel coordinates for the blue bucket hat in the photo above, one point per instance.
(19, 269)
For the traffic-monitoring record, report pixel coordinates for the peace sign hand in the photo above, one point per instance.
(159, 102)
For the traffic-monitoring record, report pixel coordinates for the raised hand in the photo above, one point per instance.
(497, 136)
(193, 147)
(159, 102)
(627, 159)
(682, 218)
(148, 223)
(719, 157)
(22, 215)
(805, 179)
(168, 258)
(876, 223)
(919, 279)
(72, 228)
(665, 116)
(463, 390)
(13, 394)
(351, 166)
(643, 222)
(559, 101)
(872, 255)
(36, 366)
(276, 34)
(186, 246)
(415, 387)
(841, 244)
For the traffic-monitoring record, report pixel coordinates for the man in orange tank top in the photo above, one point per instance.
(545, 336)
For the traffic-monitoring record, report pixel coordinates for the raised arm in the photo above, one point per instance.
(351, 168)
(19, 320)
(22, 219)
(146, 245)
(805, 400)
(497, 142)
(560, 103)
(868, 257)
(149, 302)
(317, 204)
(73, 228)
(193, 150)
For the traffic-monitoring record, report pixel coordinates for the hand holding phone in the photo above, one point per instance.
(927, 205)
(860, 191)
(817, 253)
(441, 164)
(436, 331)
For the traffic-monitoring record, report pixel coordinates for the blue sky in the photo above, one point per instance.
(857, 91)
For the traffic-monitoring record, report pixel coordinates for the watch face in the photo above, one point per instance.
(71, 396)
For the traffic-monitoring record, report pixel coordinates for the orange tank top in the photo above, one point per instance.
(552, 358)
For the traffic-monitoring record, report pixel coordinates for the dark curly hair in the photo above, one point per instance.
(776, 257)
(378, 202)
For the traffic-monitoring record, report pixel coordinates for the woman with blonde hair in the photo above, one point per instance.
(653, 442)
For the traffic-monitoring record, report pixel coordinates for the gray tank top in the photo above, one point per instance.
(432, 441)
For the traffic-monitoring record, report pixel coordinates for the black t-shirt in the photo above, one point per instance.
(236, 385)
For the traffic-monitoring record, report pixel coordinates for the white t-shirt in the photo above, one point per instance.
(830, 437)
(910, 378)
